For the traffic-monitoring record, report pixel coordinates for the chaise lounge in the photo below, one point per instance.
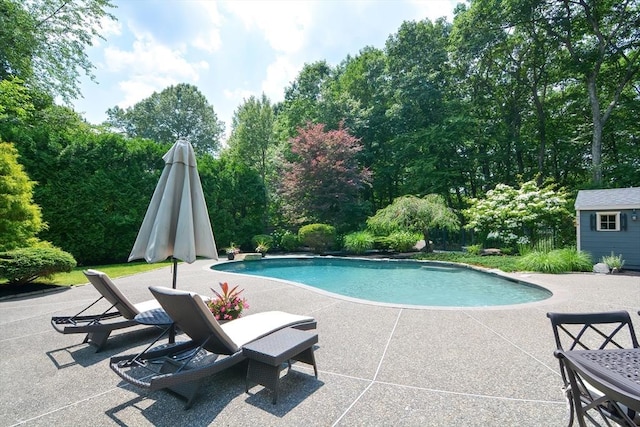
(595, 332)
(98, 327)
(212, 347)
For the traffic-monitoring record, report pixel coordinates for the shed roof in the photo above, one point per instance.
(613, 198)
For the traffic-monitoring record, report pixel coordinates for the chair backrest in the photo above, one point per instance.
(593, 331)
(111, 293)
(193, 317)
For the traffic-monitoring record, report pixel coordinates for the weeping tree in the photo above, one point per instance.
(416, 214)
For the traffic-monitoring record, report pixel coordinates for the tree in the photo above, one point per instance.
(178, 112)
(322, 180)
(602, 44)
(44, 41)
(303, 100)
(519, 216)
(416, 214)
(20, 217)
(252, 133)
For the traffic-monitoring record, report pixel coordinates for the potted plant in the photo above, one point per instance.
(262, 248)
(227, 305)
(614, 262)
(232, 250)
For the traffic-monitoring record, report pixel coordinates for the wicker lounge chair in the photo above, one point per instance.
(98, 327)
(592, 331)
(212, 347)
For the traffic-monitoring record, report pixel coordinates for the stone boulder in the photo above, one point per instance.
(601, 268)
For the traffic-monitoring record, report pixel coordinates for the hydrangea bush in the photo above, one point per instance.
(518, 217)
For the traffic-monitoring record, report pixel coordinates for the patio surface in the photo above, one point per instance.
(377, 365)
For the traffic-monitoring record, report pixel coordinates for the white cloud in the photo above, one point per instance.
(434, 9)
(279, 75)
(150, 66)
(285, 24)
(135, 90)
(209, 39)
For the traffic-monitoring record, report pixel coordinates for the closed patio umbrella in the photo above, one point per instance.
(177, 222)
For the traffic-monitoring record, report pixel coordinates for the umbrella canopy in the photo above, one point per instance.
(177, 222)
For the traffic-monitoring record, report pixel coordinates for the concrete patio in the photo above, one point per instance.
(377, 365)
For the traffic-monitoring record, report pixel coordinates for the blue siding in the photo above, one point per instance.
(601, 243)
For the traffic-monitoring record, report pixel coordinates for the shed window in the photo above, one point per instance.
(608, 221)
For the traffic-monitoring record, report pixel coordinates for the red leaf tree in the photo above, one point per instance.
(323, 179)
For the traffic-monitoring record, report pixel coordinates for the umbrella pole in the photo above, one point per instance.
(172, 330)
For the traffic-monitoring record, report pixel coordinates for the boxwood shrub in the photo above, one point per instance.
(24, 265)
(318, 237)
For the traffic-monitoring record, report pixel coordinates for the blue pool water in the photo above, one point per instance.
(395, 282)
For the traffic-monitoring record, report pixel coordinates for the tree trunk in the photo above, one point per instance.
(596, 142)
(427, 244)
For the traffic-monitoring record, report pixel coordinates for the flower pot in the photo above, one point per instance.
(231, 256)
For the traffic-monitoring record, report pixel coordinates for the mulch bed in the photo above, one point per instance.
(18, 290)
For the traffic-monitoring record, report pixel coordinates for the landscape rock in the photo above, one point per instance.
(601, 268)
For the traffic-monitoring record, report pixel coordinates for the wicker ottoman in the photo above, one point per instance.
(267, 355)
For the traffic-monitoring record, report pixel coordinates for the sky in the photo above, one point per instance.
(231, 50)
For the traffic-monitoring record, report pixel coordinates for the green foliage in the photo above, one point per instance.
(263, 239)
(24, 265)
(504, 263)
(359, 242)
(318, 237)
(34, 50)
(20, 217)
(518, 216)
(262, 242)
(418, 215)
(177, 112)
(95, 193)
(402, 241)
(474, 249)
(15, 100)
(252, 133)
(289, 241)
(613, 261)
(556, 261)
(235, 198)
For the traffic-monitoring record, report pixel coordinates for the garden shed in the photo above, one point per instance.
(609, 221)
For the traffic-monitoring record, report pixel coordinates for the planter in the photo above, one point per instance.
(231, 256)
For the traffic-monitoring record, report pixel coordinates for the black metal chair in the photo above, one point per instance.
(592, 331)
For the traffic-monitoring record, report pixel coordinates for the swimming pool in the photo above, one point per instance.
(395, 281)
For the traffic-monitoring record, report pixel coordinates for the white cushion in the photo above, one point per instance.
(250, 328)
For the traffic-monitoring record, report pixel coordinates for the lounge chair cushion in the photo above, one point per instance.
(152, 304)
(255, 326)
(110, 291)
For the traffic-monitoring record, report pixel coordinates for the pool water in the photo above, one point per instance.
(395, 282)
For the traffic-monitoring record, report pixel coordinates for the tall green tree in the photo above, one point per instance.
(20, 217)
(303, 100)
(252, 133)
(44, 41)
(177, 112)
(418, 70)
(601, 42)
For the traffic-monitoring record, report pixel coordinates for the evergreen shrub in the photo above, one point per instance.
(318, 237)
(24, 265)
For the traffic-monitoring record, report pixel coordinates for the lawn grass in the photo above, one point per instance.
(506, 263)
(76, 277)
